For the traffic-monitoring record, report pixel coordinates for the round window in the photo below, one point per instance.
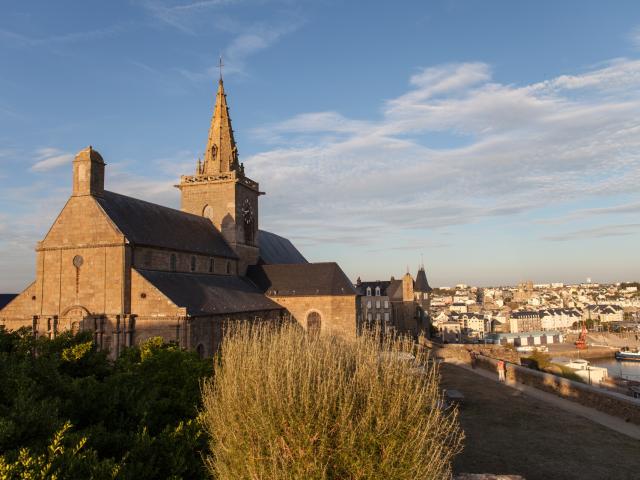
(78, 261)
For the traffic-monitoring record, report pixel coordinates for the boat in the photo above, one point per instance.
(628, 355)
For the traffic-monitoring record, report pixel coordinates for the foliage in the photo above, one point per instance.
(136, 414)
(77, 352)
(542, 361)
(59, 461)
(317, 407)
(568, 373)
(539, 360)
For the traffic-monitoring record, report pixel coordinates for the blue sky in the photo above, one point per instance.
(499, 139)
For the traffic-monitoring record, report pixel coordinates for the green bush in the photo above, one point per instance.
(137, 414)
(283, 404)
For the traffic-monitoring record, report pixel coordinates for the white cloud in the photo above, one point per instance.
(511, 149)
(597, 232)
(49, 158)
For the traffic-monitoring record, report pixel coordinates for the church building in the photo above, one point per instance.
(126, 269)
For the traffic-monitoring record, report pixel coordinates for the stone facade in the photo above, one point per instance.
(337, 313)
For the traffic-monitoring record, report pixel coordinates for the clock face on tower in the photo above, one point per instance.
(247, 212)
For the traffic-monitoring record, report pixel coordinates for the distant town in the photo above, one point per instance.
(524, 315)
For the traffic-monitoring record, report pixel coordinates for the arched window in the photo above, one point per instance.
(228, 268)
(377, 291)
(368, 291)
(207, 212)
(212, 264)
(173, 262)
(193, 263)
(314, 323)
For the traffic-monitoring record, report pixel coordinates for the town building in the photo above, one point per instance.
(473, 324)
(375, 304)
(604, 313)
(524, 321)
(525, 339)
(402, 305)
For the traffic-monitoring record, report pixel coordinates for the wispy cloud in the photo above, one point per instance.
(597, 232)
(50, 158)
(526, 147)
(182, 15)
(625, 208)
(25, 40)
(248, 40)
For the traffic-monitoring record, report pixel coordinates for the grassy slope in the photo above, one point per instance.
(507, 432)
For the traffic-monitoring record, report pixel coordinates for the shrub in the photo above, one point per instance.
(283, 404)
(61, 460)
(137, 413)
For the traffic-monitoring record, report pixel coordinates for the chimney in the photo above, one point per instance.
(88, 173)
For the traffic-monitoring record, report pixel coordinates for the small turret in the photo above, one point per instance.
(88, 173)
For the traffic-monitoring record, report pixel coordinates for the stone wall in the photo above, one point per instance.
(220, 196)
(20, 311)
(461, 352)
(148, 258)
(338, 313)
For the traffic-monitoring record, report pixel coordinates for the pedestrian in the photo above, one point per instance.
(501, 370)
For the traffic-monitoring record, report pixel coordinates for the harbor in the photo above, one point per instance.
(627, 370)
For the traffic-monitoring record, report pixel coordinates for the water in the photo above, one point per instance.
(627, 370)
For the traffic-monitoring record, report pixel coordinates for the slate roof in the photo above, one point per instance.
(605, 308)
(5, 298)
(394, 290)
(149, 224)
(203, 294)
(275, 249)
(361, 288)
(524, 314)
(421, 284)
(301, 279)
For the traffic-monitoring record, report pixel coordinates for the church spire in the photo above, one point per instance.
(221, 154)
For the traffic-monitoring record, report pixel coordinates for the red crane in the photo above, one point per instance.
(581, 343)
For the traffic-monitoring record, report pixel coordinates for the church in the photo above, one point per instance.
(126, 269)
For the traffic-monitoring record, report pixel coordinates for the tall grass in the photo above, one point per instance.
(286, 405)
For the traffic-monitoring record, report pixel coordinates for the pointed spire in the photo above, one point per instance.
(422, 285)
(221, 154)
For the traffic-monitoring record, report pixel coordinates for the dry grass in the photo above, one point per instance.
(507, 432)
(283, 404)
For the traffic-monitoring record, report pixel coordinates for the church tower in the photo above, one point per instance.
(221, 191)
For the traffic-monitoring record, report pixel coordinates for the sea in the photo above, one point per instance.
(622, 369)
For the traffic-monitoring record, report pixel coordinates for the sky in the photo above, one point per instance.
(497, 140)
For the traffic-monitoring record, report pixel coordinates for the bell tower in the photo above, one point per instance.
(221, 191)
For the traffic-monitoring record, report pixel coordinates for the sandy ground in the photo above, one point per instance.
(508, 431)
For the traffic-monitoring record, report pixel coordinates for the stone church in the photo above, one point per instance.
(126, 269)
